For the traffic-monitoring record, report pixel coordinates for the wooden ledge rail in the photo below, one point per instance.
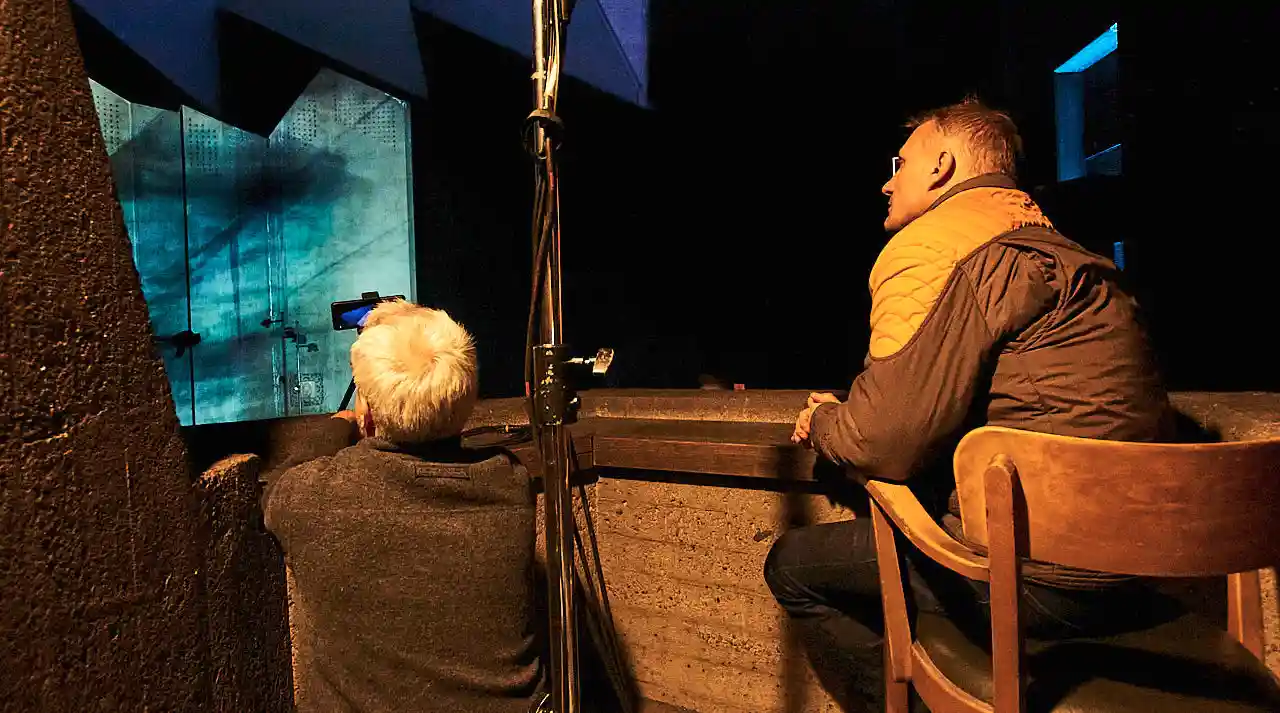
(751, 450)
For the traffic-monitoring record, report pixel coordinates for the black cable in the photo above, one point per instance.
(346, 399)
(595, 549)
(600, 596)
(541, 204)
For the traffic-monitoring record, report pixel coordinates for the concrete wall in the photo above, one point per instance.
(122, 586)
(682, 555)
(101, 548)
(1243, 416)
(246, 625)
(685, 567)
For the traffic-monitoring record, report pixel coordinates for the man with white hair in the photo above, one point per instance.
(981, 314)
(411, 555)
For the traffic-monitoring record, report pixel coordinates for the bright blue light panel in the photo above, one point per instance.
(1105, 44)
(246, 240)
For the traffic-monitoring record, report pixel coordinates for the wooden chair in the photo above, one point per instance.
(1127, 508)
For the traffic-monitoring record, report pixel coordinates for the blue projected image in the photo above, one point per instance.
(246, 241)
(1105, 44)
(1087, 110)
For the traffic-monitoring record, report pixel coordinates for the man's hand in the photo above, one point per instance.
(824, 398)
(801, 434)
(353, 423)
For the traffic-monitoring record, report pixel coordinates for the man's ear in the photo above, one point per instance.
(943, 170)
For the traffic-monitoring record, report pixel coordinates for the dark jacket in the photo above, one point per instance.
(982, 314)
(411, 578)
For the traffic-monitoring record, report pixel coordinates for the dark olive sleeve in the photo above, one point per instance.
(903, 407)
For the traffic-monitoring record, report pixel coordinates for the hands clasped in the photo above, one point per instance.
(801, 434)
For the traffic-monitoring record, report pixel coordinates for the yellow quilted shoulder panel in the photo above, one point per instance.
(913, 268)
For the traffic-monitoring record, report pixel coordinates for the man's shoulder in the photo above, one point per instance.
(926, 241)
(942, 237)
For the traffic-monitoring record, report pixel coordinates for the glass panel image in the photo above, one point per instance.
(145, 148)
(230, 201)
(246, 240)
(342, 153)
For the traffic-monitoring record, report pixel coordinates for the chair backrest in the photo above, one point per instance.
(1133, 508)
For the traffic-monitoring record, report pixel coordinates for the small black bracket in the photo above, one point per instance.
(184, 340)
(551, 387)
(555, 401)
(551, 123)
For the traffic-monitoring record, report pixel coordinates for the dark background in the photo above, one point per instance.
(732, 228)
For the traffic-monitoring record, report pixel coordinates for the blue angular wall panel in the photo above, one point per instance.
(377, 39)
(595, 54)
(629, 23)
(607, 42)
(177, 37)
(608, 39)
(507, 23)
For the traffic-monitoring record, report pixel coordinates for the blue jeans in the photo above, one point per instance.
(827, 579)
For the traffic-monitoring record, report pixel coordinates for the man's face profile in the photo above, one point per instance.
(909, 188)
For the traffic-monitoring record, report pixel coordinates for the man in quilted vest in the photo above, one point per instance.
(981, 314)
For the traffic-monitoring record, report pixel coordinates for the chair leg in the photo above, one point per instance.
(897, 697)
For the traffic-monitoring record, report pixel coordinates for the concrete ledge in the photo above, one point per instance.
(683, 554)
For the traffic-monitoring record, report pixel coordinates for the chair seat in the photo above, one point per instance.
(1183, 665)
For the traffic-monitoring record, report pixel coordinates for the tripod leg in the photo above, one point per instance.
(346, 400)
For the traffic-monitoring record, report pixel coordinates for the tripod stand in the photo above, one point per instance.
(547, 360)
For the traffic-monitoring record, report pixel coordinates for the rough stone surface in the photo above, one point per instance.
(684, 565)
(102, 543)
(1271, 619)
(659, 707)
(1232, 416)
(249, 644)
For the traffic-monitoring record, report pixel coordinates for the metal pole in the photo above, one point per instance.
(548, 390)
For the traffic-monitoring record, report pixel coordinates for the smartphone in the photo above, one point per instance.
(348, 314)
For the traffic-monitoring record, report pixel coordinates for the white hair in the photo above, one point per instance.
(416, 369)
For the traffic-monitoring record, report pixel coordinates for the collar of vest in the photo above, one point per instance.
(986, 180)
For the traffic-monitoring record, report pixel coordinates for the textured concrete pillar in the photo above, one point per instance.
(244, 582)
(100, 542)
(1271, 619)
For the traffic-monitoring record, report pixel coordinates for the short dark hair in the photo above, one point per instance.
(992, 136)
